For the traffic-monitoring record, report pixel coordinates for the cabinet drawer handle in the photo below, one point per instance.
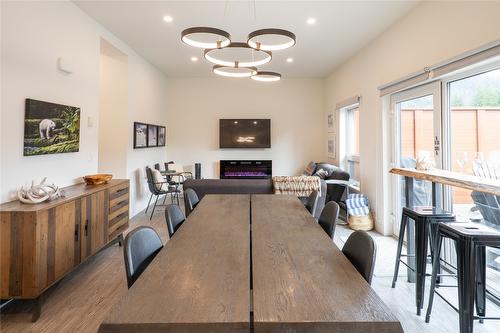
(86, 227)
(76, 232)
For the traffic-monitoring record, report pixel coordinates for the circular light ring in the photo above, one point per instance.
(221, 38)
(230, 71)
(266, 76)
(253, 39)
(209, 55)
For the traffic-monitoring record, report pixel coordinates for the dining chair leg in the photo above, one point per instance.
(402, 228)
(481, 282)
(164, 199)
(438, 240)
(149, 202)
(154, 207)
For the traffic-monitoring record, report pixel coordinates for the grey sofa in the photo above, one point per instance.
(244, 186)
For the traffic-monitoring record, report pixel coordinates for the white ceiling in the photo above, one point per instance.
(341, 29)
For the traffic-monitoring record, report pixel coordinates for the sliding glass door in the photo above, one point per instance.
(455, 125)
(472, 146)
(416, 117)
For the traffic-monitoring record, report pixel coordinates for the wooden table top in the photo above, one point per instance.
(70, 193)
(301, 281)
(445, 177)
(200, 280)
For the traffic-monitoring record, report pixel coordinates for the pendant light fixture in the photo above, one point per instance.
(240, 59)
(231, 71)
(206, 37)
(264, 76)
(238, 55)
(271, 39)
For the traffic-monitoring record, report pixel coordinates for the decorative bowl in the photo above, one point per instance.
(98, 179)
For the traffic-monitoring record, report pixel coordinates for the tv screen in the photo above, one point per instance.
(245, 133)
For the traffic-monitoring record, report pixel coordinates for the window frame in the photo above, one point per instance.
(349, 160)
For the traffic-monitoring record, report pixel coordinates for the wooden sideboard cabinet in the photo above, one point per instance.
(42, 243)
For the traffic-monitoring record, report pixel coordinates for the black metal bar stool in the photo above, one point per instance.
(426, 220)
(470, 242)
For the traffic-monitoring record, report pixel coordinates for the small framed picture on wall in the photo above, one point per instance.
(152, 135)
(330, 121)
(331, 146)
(162, 136)
(140, 135)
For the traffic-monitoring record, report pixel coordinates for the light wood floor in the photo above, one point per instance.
(81, 301)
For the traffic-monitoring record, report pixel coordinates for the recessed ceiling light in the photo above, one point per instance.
(194, 59)
(311, 21)
(168, 19)
(289, 59)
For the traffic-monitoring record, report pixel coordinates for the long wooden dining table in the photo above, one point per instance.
(250, 263)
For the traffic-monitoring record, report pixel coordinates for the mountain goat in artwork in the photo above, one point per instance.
(45, 127)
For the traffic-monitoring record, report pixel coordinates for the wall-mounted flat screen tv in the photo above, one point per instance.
(245, 133)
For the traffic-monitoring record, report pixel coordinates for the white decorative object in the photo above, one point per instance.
(330, 121)
(423, 162)
(331, 146)
(38, 193)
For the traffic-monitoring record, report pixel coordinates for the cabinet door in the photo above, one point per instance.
(58, 242)
(94, 223)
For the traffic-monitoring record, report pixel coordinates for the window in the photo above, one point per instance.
(473, 147)
(453, 123)
(351, 160)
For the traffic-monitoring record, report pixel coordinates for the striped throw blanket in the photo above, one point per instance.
(357, 205)
(300, 186)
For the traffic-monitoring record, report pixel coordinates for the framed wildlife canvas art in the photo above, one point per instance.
(50, 128)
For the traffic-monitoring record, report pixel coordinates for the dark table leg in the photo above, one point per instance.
(466, 284)
(410, 231)
(481, 281)
(434, 195)
(422, 237)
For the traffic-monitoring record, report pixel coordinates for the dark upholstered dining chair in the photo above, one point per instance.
(361, 251)
(174, 217)
(191, 200)
(312, 202)
(140, 247)
(328, 218)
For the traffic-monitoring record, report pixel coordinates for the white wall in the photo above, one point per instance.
(147, 104)
(295, 107)
(113, 118)
(431, 33)
(33, 36)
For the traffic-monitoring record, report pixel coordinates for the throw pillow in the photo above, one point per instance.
(310, 169)
(158, 179)
(321, 174)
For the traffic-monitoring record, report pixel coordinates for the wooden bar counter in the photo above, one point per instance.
(456, 179)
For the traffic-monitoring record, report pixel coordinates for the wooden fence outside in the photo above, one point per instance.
(474, 131)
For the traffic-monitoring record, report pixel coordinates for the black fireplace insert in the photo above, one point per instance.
(246, 169)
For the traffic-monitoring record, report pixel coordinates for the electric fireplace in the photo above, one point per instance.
(246, 169)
